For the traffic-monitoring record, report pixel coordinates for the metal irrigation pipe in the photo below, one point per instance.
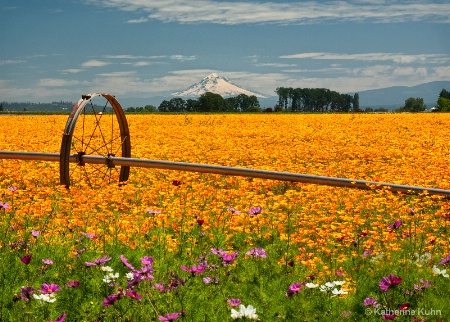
(224, 170)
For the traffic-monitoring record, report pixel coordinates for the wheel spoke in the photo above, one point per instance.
(102, 146)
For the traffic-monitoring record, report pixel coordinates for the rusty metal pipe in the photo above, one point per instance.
(224, 170)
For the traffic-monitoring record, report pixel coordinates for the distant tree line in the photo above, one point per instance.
(145, 109)
(28, 106)
(316, 100)
(210, 102)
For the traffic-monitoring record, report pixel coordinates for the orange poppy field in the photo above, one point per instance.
(311, 235)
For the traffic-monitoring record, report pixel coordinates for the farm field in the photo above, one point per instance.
(172, 245)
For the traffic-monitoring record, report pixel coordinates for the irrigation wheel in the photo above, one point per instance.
(96, 126)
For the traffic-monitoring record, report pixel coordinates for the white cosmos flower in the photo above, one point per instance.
(129, 276)
(338, 292)
(111, 277)
(438, 271)
(311, 285)
(244, 312)
(339, 283)
(249, 312)
(106, 268)
(327, 286)
(235, 314)
(49, 298)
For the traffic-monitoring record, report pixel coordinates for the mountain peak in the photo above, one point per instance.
(213, 75)
(214, 83)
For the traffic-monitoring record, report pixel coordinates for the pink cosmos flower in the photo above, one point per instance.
(26, 259)
(388, 317)
(294, 288)
(47, 261)
(169, 317)
(234, 302)
(126, 263)
(35, 233)
(60, 318)
(88, 235)
(257, 252)
(370, 301)
(194, 269)
(387, 282)
(395, 225)
(98, 261)
(255, 211)
(26, 293)
(49, 288)
(233, 211)
(147, 260)
(133, 294)
(110, 300)
(73, 284)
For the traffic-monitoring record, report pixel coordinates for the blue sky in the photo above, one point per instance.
(59, 49)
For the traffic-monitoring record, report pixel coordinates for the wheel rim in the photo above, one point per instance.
(96, 126)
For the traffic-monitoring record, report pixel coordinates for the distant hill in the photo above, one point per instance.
(394, 97)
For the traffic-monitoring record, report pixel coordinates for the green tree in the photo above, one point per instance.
(245, 103)
(230, 104)
(356, 102)
(177, 104)
(191, 105)
(445, 94)
(1, 107)
(150, 108)
(443, 104)
(164, 106)
(283, 96)
(210, 102)
(414, 105)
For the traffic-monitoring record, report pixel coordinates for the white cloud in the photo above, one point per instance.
(182, 57)
(296, 12)
(56, 82)
(394, 57)
(72, 70)
(442, 72)
(274, 65)
(132, 57)
(139, 20)
(11, 62)
(141, 64)
(94, 63)
(410, 71)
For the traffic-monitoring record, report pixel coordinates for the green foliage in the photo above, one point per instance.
(315, 100)
(413, 105)
(444, 94)
(443, 105)
(355, 102)
(210, 102)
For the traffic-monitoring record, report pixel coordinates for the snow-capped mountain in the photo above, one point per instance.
(215, 84)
